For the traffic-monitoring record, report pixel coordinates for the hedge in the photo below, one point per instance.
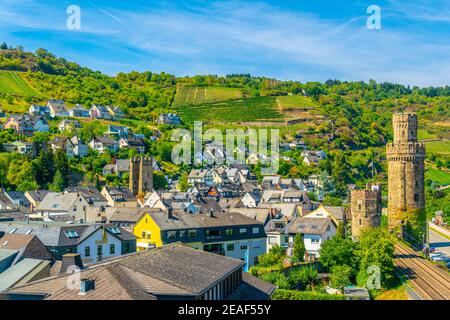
(280, 294)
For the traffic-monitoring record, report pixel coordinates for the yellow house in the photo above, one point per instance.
(154, 229)
(147, 232)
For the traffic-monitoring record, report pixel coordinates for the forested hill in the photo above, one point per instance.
(35, 77)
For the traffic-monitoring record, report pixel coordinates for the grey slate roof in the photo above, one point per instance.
(57, 202)
(306, 225)
(147, 275)
(17, 272)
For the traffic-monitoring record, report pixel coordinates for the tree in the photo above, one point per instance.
(44, 168)
(375, 249)
(275, 256)
(62, 165)
(303, 278)
(340, 276)
(3, 46)
(340, 232)
(21, 175)
(183, 184)
(299, 248)
(58, 184)
(159, 181)
(337, 251)
(340, 173)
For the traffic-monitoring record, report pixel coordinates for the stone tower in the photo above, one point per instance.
(365, 208)
(406, 194)
(141, 175)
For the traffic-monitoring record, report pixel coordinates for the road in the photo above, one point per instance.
(439, 242)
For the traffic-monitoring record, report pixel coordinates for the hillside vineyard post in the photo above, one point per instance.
(406, 199)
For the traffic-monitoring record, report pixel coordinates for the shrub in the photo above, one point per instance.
(281, 294)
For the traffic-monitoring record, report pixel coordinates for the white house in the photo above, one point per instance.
(57, 108)
(200, 176)
(251, 199)
(315, 231)
(79, 148)
(102, 244)
(36, 110)
(103, 143)
(72, 205)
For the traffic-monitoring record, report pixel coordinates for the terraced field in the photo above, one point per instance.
(12, 83)
(187, 95)
(287, 103)
(439, 147)
(438, 176)
(260, 109)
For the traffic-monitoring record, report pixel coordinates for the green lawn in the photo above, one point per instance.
(11, 82)
(423, 134)
(258, 109)
(187, 95)
(439, 147)
(294, 102)
(438, 176)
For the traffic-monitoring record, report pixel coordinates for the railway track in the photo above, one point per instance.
(428, 281)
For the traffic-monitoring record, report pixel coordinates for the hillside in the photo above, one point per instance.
(194, 95)
(12, 82)
(257, 109)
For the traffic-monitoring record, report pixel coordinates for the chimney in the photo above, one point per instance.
(71, 260)
(170, 212)
(211, 213)
(86, 285)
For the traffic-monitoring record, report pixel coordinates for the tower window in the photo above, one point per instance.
(359, 206)
(416, 197)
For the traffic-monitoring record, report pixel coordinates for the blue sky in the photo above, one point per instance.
(305, 40)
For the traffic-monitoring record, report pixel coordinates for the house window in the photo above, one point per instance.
(212, 233)
(99, 250)
(87, 251)
(256, 244)
(192, 233)
(74, 208)
(244, 246)
(315, 241)
(229, 232)
(127, 247)
(182, 234)
(172, 235)
(230, 246)
(256, 230)
(143, 235)
(272, 240)
(243, 230)
(149, 235)
(112, 248)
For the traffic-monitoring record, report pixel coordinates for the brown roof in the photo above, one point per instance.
(144, 275)
(30, 246)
